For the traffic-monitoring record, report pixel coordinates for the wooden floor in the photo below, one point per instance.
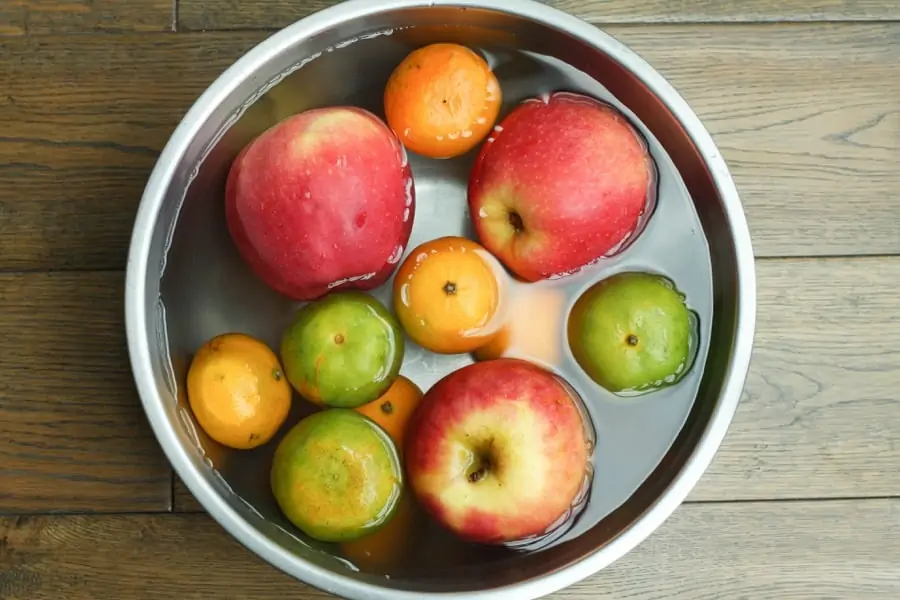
(803, 98)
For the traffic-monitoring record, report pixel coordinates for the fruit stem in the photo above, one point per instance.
(476, 476)
(450, 288)
(484, 466)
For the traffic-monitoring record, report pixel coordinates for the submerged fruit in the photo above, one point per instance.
(393, 410)
(237, 391)
(446, 295)
(344, 350)
(442, 100)
(564, 181)
(532, 327)
(632, 332)
(498, 451)
(337, 476)
(323, 200)
(388, 548)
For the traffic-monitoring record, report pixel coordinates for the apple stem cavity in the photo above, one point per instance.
(515, 220)
(387, 408)
(632, 340)
(483, 465)
(450, 288)
(339, 339)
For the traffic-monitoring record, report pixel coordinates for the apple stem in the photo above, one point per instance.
(450, 288)
(484, 465)
(476, 476)
(632, 340)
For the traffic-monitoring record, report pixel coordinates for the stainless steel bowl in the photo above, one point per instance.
(185, 283)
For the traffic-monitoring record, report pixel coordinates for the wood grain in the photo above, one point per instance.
(235, 14)
(182, 498)
(806, 116)
(84, 121)
(34, 17)
(783, 551)
(819, 415)
(73, 436)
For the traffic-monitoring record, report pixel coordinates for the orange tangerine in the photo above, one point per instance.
(442, 100)
(532, 327)
(446, 294)
(393, 409)
(237, 391)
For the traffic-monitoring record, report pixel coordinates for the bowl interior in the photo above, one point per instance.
(201, 288)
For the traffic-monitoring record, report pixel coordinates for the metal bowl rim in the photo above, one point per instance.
(136, 308)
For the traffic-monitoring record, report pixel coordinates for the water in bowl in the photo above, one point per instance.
(207, 290)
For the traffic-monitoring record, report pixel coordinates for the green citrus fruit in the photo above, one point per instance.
(632, 332)
(343, 350)
(337, 476)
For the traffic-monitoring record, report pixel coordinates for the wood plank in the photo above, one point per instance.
(817, 178)
(235, 14)
(182, 498)
(73, 436)
(783, 550)
(818, 417)
(33, 17)
(74, 112)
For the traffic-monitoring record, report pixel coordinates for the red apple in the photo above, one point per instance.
(323, 200)
(497, 451)
(562, 182)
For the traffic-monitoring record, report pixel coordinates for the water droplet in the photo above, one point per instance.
(404, 294)
(346, 43)
(394, 258)
(482, 213)
(409, 192)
